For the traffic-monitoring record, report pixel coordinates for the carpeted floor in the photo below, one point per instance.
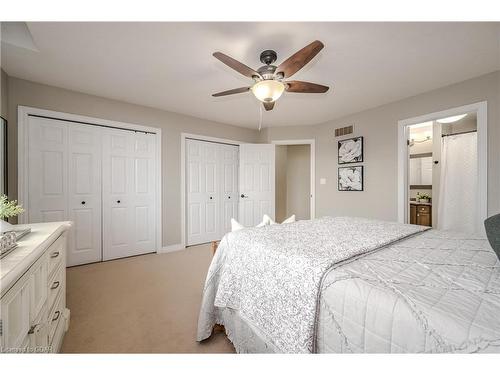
(144, 304)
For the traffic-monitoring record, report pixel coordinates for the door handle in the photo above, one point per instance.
(83, 202)
(118, 201)
(211, 198)
(244, 196)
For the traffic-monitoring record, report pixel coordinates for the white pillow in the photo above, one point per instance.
(270, 221)
(237, 226)
(266, 219)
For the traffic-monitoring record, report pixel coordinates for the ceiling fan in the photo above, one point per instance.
(269, 80)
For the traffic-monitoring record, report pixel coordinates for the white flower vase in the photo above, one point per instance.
(5, 227)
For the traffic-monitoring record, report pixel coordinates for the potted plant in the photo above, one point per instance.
(423, 197)
(8, 209)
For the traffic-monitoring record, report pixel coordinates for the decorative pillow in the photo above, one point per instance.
(291, 219)
(270, 221)
(237, 226)
(492, 226)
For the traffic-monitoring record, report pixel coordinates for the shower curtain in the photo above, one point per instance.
(458, 195)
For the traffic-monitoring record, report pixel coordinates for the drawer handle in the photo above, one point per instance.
(54, 254)
(55, 285)
(57, 314)
(34, 329)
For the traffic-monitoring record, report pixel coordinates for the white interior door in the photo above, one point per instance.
(128, 197)
(84, 153)
(257, 183)
(203, 193)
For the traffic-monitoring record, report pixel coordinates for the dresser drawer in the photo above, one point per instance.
(55, 286)
(56, 253)
(56, 317)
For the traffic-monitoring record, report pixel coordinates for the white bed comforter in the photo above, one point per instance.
(273, 275)
(434, 292)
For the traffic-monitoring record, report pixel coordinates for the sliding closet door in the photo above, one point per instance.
(203, 211)
(128, 197)
(64, 182)
(84, 194)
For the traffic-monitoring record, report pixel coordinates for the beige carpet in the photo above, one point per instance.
(144, 304)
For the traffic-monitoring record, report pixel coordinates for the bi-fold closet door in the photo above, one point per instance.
(101, 179)
(211, 189)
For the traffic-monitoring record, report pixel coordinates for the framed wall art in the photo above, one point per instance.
(350, 150)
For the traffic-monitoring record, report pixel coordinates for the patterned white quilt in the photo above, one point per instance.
(273, 275)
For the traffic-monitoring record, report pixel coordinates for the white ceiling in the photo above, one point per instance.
(170, 65)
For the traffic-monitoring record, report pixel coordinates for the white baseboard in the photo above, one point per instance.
(171, 248)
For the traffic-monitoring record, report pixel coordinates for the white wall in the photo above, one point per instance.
(298, 179)
(281, 182)
(379, 127)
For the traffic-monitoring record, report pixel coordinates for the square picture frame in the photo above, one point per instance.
(350, 150)
(351, 178)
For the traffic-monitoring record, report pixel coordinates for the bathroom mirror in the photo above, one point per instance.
(3, 156)
(421, 171)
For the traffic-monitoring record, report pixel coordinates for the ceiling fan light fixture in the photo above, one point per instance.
(268, 90)
(448, 120)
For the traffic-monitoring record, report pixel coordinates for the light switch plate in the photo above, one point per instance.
(322, 181)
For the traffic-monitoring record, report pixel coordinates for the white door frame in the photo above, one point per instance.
(312, 143)
(481, 109)
(23, 113)
(199, 137)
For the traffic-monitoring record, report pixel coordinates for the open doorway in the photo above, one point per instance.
(444, 176)
(294, 179)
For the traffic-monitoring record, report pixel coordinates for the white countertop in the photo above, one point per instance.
(29, 249)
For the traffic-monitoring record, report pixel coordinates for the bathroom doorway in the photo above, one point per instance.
(444, 169)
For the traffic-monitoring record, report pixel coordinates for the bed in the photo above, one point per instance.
(353, 285)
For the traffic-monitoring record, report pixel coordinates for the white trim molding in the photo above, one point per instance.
(481, 109)
(23, 114)
(312, 143)
(171, 248)
(199, 137)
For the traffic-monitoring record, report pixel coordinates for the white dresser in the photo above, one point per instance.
(33, 309)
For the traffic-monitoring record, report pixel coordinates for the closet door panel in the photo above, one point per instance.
(229, 186)
(85, 194)
(203, 191)
(143, 190)
(195, 197)
(117, 205)
(47, 170)
(212, 185)
(129, 195)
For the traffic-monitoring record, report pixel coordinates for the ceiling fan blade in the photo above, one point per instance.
(236, 65)
(299, 59)
(305, 87)
(268, 105)
(233, 91)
